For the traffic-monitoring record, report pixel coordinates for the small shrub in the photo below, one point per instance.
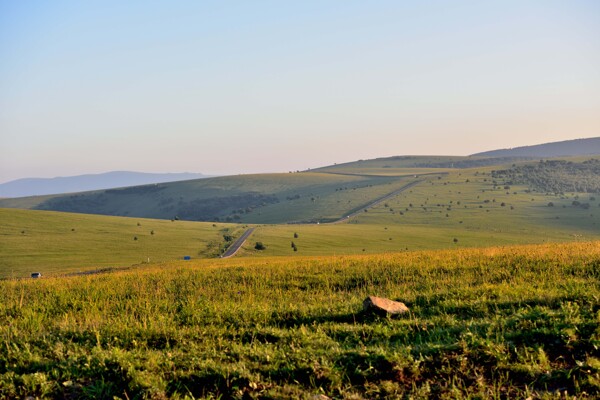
(259, 246)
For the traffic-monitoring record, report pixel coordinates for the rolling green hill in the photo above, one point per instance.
(466, 208)
(265, 198)
(323, 195)
(472, 207)
(57, 243)
(409, 165)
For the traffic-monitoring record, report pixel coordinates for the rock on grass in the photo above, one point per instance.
(379, 305)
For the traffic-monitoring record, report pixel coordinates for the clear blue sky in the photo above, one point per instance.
(229, 87)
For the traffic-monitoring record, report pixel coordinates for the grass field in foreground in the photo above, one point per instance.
(511, 322)
(56, 243)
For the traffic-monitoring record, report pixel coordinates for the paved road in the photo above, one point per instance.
(377, 202)
(230, 252)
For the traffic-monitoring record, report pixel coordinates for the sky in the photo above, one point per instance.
(229, 87)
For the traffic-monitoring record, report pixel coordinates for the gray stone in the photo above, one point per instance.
(381, 305)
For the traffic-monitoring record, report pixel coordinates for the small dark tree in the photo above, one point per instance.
(295, 235)
(455, 240)
(259, 246)
(135, 238)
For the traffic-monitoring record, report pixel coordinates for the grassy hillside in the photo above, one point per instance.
(510, 322)
(266, 198)
(466, 208)
(407, 165)
(322, 195)
(56, 243)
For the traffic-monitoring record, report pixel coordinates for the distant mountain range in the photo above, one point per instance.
(80, 183)
(577, 147)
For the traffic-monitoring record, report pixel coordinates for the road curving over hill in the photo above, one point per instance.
(376, 202)
(234, 248)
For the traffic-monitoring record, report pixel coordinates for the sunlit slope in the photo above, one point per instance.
(462, 209)
(264, 198)
(53, 242)
(503, 322)
(407, 165)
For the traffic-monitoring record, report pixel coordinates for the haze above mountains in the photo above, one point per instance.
(46, 186)
(69, 184)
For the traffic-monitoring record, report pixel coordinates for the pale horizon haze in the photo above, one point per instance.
(244, 87)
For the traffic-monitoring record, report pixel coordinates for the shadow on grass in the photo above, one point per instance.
(361, 317)
(206, 383)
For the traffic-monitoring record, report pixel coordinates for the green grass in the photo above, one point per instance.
(401, 165)
(463, 205)
(511, 322)
(56, 243)
(469, 196)
(265, 198)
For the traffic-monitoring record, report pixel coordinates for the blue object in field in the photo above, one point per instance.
(187, 257)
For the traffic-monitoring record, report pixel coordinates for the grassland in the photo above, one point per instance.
(464, 208)
(401, 165)
(509, 322)
(496, 322)
(265, 198)
(57, 243)
(465, 205)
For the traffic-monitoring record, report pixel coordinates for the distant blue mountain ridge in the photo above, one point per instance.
(576, 147)
(69, 184)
